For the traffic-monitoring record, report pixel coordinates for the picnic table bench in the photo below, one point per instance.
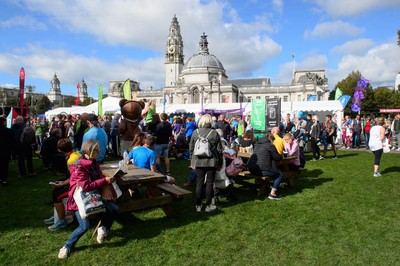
(288, 174)
(160, 194)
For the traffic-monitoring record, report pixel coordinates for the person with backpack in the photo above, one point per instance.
(24, 137)
(205, 157)
(330, 129)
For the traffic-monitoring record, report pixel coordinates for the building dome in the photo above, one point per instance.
(203, 59)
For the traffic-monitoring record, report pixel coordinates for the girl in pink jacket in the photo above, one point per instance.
(86, 172)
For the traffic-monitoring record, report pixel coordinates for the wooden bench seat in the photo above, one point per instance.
(175, 191)
(262, 181)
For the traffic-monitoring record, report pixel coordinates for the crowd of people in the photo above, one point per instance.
(72, 147)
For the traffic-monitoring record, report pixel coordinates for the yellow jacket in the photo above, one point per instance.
(279, 144)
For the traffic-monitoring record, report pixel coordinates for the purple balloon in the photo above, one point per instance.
(362, 82)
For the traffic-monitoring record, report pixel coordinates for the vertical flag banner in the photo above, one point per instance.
(273, 113)
(78, 97)
(358, 96)
(344, 99)
(338, 93)
(21, 90)
(312, 98)
(258, 114)
(127, 89)
(100, 101)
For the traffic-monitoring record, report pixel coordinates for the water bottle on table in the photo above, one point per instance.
(125, 161)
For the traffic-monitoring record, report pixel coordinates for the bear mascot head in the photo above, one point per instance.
(131, 110)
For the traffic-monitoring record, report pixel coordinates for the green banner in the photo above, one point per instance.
(100, 101)
(258, 114)
(127, 90)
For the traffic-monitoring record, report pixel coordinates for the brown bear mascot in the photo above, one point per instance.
(129, 126)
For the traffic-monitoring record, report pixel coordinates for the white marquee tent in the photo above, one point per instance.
(111, 105)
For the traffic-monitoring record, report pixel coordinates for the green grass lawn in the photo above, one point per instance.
(337, 213)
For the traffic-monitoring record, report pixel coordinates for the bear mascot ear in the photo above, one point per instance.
(122, 102)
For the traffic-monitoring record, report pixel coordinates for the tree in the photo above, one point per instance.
(43, 105)
(88, 101)
(12, 101)
(69, 101)
(383, 97)
(347, 86)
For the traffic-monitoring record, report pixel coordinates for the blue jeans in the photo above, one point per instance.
(106, 221)
(366, 138)
(356, 138)
(278, 178)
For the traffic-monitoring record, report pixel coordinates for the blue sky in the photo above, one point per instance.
(103, 40)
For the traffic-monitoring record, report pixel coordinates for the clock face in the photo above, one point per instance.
(171, 49)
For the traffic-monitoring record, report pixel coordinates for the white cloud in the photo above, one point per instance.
(338, 8)
(354, 47)
(242, 47)
(23, 21)
(278, 5)
(40, 63)
(332, 29)
(379, 65)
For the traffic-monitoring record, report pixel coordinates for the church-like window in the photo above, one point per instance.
(196, 95)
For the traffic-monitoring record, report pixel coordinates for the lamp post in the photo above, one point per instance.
(202, 98)
(164, 100)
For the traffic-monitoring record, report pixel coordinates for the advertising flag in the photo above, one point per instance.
(258, 114)
(21, 90)
(77, 99)
(344, 99)
(273, 113)
(312, 98)
(338, 93)
(100, 101)
(127, 90)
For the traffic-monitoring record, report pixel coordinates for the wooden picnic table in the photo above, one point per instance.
(283, 164)
(162, 194)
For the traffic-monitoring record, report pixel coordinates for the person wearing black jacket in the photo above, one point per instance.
(163, 132)
(23, 149)
(224, 126)
(262, 163)
(7, 144)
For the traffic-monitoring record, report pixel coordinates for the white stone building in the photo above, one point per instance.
(203, 78)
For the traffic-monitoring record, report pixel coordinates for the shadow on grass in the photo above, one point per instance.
(246, 190)
(391, 169)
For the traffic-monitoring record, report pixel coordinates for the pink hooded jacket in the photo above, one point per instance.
(293, 150)
(80, 174)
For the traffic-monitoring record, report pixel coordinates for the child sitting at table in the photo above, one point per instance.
(292, 149)
(144, 157)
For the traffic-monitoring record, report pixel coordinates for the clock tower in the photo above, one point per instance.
(173, 54)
